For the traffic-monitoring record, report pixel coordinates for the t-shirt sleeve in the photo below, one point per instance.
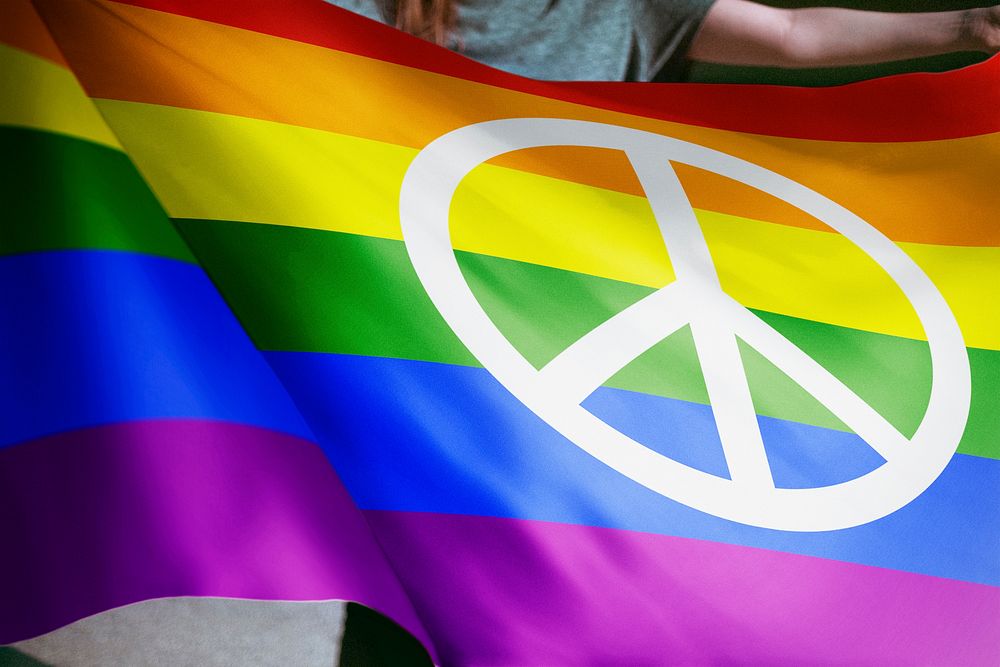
(664, 30)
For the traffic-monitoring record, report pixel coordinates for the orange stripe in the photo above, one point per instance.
(21, 28)
(911, 191)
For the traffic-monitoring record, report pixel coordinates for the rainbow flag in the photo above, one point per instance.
(550, 373)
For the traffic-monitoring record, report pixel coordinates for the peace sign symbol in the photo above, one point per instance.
(695, 298)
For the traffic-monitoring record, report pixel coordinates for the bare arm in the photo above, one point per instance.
(739, 32)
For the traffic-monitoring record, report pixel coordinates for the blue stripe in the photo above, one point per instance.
(419, 436)
(800, 456)
(96, 337)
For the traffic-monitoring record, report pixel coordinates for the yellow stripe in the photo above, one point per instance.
(42, 95)
(205, 165)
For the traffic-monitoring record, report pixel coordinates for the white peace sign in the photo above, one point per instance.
(696, 298)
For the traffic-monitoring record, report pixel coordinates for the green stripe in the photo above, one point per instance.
(307, 290)
(63, 193)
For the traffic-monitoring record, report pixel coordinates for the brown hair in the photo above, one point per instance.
(433, 20)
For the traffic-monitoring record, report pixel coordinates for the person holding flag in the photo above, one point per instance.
(656, 40)
(305, 310)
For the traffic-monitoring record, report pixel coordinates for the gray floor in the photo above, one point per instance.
(198, 631)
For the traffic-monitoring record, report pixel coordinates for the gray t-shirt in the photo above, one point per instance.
(572, 40)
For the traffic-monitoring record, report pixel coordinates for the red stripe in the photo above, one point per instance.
(911, 107)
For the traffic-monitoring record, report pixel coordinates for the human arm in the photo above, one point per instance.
(740, 32)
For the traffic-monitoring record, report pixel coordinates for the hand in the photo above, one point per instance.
(983, 29)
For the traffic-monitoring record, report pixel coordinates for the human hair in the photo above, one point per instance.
(433, 20)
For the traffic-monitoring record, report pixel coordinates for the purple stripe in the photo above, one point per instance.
(512, 592)
(103, 517)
